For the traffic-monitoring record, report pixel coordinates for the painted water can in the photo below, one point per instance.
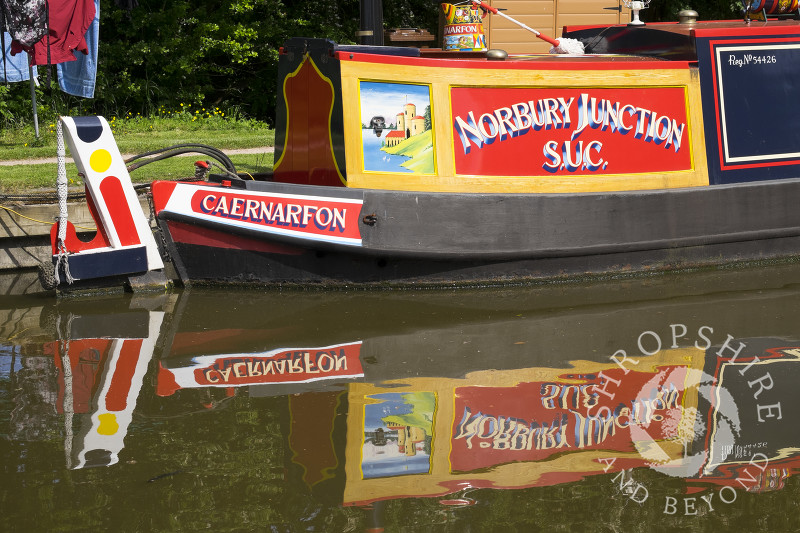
(463, 30)
(774, 7)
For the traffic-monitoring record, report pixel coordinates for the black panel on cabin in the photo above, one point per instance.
(651, 41)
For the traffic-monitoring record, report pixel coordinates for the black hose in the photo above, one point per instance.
(177, 149)
(160, 154)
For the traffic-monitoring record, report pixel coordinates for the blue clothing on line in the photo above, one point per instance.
(16, 67)
(78, 77)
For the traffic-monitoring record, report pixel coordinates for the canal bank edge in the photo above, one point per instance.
(25, 241)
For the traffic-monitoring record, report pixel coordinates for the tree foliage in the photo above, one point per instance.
(221, 53)
(224, 53)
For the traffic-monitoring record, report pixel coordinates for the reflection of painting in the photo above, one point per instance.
(402, 141)
(398, 434)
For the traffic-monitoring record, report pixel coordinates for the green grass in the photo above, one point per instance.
(19, 178)
(136, 135)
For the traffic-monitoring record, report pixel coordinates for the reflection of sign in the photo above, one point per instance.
(758, 386)
(398, 434)
(532, 421)
(565, 131)
(308, 217)
(295, 365)
(544, 426)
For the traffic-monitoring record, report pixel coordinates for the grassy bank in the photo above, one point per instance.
(20, 178)
(136, 135)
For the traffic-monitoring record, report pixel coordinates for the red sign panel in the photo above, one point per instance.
(318, 218)
(553, 131)
(533, 421)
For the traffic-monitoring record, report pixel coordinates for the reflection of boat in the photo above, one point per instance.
(510, 399)
(441, 374)
(528, 167)
(542, 427)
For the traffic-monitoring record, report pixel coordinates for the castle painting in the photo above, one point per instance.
(396, 127)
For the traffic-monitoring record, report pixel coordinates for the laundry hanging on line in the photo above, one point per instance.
(69, 34)
(68, 21)
(13, 68)
(78, 77)
(25, 20)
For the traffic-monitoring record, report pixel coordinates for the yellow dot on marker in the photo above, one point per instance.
(100, 160)
(108, 424)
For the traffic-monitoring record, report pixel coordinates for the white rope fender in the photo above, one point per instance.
(63, 189)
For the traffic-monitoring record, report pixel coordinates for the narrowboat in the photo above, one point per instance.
(662, 146)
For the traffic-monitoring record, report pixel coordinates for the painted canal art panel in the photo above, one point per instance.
(570, 131)
(398, 434)
(396, 127)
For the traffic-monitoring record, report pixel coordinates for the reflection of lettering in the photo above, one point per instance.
(562, 396)
(321, 362)
(510, 433)
(739, 451)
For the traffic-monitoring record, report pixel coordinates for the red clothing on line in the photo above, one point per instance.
(68, 22)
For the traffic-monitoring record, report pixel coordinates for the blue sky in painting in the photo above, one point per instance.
(388, 99)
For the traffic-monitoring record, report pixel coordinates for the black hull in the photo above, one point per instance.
(206, 264)
(455, 238)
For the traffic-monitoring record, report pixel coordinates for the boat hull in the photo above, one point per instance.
(408, 237)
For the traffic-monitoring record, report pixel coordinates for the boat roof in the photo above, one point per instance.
(671, 41)
(666, 40)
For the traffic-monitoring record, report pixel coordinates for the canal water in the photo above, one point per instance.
(667, 403)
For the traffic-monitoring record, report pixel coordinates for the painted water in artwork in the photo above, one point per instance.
(397, 133)
(376, 159)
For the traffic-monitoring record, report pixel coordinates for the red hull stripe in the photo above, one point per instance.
(189, 234)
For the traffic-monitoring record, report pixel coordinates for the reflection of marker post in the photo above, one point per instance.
(114, 401)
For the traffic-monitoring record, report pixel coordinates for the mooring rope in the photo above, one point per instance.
(66, 367)
(63, 188)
